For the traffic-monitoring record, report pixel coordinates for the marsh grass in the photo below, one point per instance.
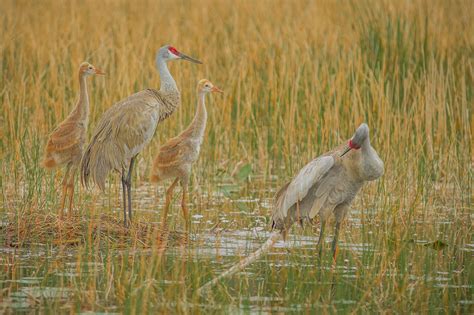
(298, 78)
(77, 229)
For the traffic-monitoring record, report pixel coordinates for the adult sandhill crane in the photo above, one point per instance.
(65, 143)
(175, 158)
(128, 126)
(327, 185)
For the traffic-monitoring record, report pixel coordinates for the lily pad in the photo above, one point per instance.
(244, 172)
(227, 190)
(242, 207)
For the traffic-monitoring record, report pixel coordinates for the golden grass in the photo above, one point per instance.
(36, 229)
(299, 77)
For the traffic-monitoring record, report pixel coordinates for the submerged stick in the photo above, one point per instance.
(243, 263)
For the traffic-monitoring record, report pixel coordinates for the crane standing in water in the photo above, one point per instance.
(128, 126)
(66, 142)
(176, 157)
(326, 185)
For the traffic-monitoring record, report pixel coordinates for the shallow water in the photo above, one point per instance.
(226, 226)
(220, 251)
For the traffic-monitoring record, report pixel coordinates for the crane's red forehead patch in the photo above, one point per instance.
(352, 145)
(173, 50)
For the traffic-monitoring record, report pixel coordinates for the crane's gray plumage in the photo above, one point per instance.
(128, 126)
(297, 189)
(326, 185)
(123, 131)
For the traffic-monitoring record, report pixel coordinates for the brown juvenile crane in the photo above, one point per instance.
(176, 157)
(65, 143)
(128, 126)
(326, 185)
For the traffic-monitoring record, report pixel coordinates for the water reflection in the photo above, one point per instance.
(227, 224)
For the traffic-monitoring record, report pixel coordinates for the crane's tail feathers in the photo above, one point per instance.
(84, 170)
(274, 237)
(96, 165)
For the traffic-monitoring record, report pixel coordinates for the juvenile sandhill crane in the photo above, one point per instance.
(176, 157)
(326, 185)
(66, 142)
(128, 126)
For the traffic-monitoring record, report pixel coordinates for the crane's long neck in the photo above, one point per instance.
(81, 110)
(168, 84)
(372, 165)
(198, 124)
(168, 89)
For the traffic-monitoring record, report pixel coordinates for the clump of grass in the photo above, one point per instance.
(33, 229)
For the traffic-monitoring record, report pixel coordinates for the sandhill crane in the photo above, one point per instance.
(326, 185)
(128, 126)
(175, 158)
(65, 143)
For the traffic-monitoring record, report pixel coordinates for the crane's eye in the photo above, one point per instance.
(207, 85)
(90, 68)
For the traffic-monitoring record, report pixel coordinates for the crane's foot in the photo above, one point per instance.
(127, 223)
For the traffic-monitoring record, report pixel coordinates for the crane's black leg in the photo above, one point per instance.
(124, 194)
(129, 188)
(321, 239)
(334, 241)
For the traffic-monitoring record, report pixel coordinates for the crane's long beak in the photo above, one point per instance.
(99, 72)
(185, 57)
(216, 89)
(345, 151)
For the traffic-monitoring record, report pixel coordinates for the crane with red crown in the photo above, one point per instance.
(128, 126)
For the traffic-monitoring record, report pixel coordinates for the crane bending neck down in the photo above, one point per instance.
(326, 185)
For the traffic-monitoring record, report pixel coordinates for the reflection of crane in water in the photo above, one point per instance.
(326, 185)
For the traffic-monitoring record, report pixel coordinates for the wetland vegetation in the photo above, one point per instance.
(299, 77)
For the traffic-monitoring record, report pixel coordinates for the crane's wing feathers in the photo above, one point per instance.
(122, 132)
(128, 117)
(170, 153)
(298, 188)
(330, 193)
(65, 136)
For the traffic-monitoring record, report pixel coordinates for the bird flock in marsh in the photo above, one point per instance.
(326, 185)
